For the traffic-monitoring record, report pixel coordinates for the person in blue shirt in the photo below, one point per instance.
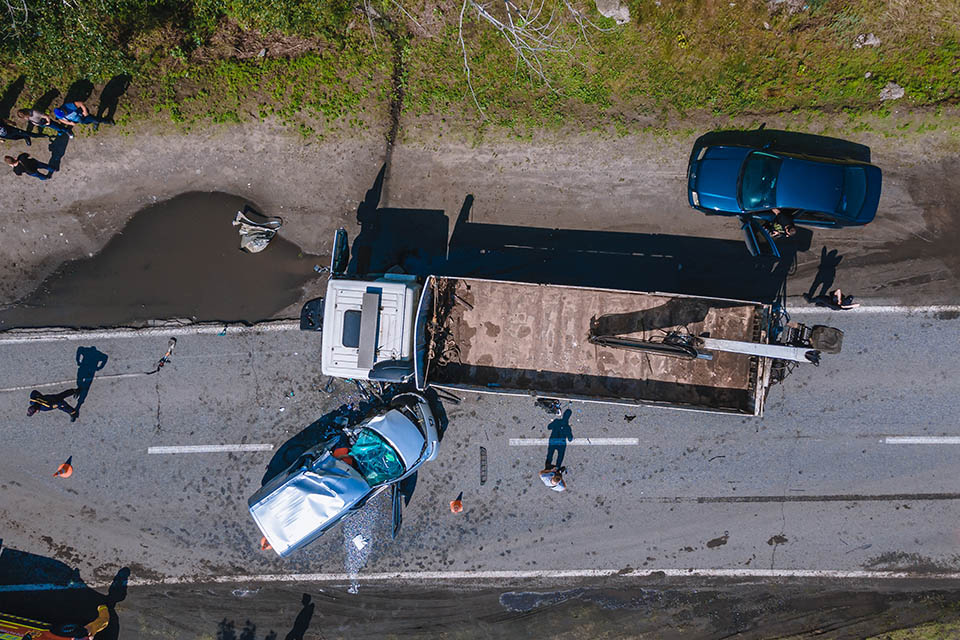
(71, 113)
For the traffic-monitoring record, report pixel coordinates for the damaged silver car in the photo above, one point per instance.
(341, 473)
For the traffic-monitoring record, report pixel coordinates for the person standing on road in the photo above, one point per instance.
(552, 477)
(40, 120)
(24, 164)
(41, 402)
(71, 113)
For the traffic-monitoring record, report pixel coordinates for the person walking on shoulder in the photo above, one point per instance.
(41, 402)
(40, 120)
(24, 164)
(71, 113)
(10, 132)
(552, 478)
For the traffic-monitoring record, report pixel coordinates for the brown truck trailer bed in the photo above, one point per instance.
(511, 337)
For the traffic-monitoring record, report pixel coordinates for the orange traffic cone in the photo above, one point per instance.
(65, 470)
(264, 545)
(456, 506)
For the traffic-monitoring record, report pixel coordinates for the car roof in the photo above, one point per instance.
(296, 507)
(402, 434)
(809, 184)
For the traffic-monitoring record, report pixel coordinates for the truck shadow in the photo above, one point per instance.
(415, 240)
(48, 590)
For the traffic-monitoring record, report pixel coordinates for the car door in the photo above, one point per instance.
(757, 238)
(340, 257)
(815, 219)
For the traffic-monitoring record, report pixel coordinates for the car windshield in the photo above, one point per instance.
(854, 190)
(758, 182)
(375, 458)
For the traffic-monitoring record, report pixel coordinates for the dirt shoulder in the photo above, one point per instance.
(631, 185)
(688, 610)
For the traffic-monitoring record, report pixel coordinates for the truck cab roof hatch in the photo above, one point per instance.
(369, 315)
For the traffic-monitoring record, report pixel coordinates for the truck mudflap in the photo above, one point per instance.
(421, 340)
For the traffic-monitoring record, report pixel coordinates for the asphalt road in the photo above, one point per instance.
(813, 485)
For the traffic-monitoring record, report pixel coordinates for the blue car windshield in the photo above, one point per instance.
(758, 182)
(375, 458)
(854, 191)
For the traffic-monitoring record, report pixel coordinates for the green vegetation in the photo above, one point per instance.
(314, 66)
(929, 631)
(719, 58)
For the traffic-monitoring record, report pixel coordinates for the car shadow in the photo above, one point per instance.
(786, 141)
(327, 426)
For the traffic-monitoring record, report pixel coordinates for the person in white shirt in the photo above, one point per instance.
(552, 478)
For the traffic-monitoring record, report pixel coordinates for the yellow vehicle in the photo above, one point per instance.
(17, 628)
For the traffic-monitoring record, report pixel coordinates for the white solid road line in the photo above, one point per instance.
(211, 448)
(877, 309)
(542, 442)
(416, 576)
(922, 440)
(21, 336)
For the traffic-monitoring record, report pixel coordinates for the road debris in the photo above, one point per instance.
(255, 236)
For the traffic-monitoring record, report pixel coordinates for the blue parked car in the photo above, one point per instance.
(748, 182)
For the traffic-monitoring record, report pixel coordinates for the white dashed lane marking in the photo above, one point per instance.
(922, 440)
(212, 448)
(543, 442)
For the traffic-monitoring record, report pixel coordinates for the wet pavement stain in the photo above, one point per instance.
(179, 258)
(718, 542)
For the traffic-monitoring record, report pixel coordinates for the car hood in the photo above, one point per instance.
(295, 509)
(715, 178)
(813, 186)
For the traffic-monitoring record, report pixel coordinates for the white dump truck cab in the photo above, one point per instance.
(368, 328)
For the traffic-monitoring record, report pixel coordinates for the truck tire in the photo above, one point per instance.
(69, 630)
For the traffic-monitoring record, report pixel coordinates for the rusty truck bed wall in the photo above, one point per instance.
(529, 338)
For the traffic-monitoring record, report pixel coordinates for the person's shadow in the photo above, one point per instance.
(10, 96)
(58, 147)
(302, 623)
(826, 273)
(110, 96)
(560, 434)
(89, 361)
(117, 593)
(79, 91)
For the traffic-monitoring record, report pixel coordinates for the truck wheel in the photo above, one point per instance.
(69, 630)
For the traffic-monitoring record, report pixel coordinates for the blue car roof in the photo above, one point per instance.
(814, 186)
